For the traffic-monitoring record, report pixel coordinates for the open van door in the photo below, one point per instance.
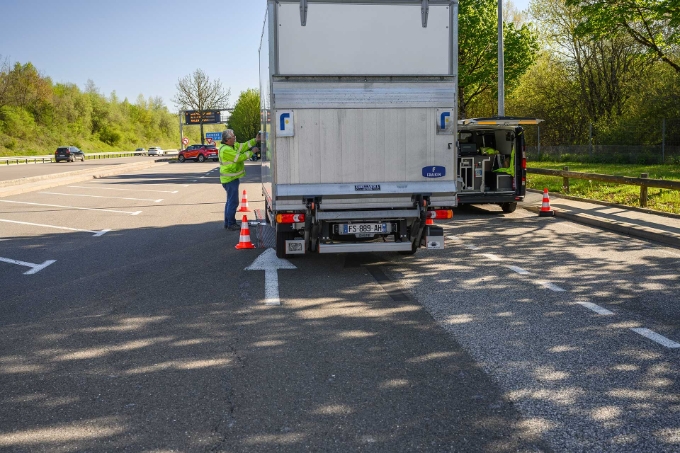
(491, 161)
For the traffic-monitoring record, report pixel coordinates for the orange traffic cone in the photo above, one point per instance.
(545, 207)
(244, 203)
(244, 240)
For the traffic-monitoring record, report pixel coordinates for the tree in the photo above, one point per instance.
(198, 92)
(654, 24)
(245, 119)
(478, 51)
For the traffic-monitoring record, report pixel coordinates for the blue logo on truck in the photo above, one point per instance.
(434, 172)
(284, 117)
(442, 118)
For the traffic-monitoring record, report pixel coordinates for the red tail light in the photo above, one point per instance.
(68, 152)
(290, 218)
(440, 214)
(524, 163)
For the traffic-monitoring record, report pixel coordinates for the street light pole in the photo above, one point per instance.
(501, 62)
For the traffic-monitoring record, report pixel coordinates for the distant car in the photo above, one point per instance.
(155, 151)
(68, 154)
(199, 153)
(140, 152)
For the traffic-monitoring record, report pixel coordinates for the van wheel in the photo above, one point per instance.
(508, 207)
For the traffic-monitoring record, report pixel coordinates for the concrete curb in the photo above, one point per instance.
(626, 228)
(31, 184)
(606, 203)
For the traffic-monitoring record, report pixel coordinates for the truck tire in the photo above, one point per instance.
(281, 238)
(508, 207)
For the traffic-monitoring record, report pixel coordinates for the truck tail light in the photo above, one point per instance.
(290, 218)
(440, 214)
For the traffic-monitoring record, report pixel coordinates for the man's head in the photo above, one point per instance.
(228, 137)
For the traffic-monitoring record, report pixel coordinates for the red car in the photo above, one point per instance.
(199, 153)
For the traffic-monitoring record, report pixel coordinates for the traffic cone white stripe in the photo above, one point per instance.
(545, 206)
(244, 237)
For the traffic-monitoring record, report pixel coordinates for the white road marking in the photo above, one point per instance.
(35, 268)
(519, 270)
(551, 286)
(270, 263)
(491, 256)
(72, 207)
(596, 308)
(127, 190)
(96, 233)
(656, 337)
(101, 196)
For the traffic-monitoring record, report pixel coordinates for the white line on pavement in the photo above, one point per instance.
(127, 190)
(96, 233)
(519, 270)
(551, 286)
(101, 196)
(656, 337)
(491, 256)
(35, 268)
(596, 308)
(71, 207)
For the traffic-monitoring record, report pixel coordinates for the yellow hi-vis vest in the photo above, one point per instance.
(232, 158)
(511, 169)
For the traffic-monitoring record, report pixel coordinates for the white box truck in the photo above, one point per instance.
(359, 109)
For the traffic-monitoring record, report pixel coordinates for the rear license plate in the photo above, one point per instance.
(363, 228)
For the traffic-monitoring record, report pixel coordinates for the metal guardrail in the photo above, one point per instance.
(643, 181)
(89, 156)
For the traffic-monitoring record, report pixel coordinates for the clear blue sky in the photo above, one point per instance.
(138, 47)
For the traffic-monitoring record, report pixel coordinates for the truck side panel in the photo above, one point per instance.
(362, 146)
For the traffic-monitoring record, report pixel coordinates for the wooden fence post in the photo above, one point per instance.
(643, 192)
(565, 181)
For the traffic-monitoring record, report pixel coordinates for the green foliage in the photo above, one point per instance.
(478, 53)
(245, 119)
(36, 116)
(654, 24)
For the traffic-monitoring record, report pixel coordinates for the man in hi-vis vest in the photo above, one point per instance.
(232, 157)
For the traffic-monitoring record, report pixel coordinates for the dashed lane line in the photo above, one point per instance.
(101, 196)
(647, 333)
(596, 308)
(656, 337)
(72, 207)
(126, 190)
(519, 270)
(491, 257)
(95, 233)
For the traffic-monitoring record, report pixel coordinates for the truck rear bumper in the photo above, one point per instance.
(365, 247)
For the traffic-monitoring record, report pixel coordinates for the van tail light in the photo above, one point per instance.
(440, 214)
(524, 163)
(290, 218)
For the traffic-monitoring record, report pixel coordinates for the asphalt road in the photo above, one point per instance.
(146, 333)
(8, 172)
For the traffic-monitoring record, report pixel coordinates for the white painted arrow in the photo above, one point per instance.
(270, 264)
(35, 268)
